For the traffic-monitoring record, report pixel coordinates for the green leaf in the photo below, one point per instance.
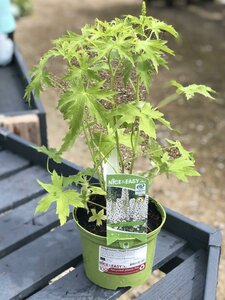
(40, 77)
(153, 50)
(97, 217)
(62, 210)
(158, 26)
(190, 90)
(80, 178)
(147, 125)
(44, 204)
(48, 187)
(126, 71)
(96, 190)
(183, 168)
(124, 139)
(62, 198)
(105, 143)
(51, 152)
(144, 72)
(57, 180)
(75, 124)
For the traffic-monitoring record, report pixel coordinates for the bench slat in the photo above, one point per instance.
(11, 163)
(168, 246)
(76, 283)
(21, 187)
(32, 266)
(20, 226)
(186, 281)
(11, 90)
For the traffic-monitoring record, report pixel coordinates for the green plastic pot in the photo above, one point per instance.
(93, 245)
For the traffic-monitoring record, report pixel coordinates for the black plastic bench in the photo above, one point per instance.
(13, 108)
(31, 253)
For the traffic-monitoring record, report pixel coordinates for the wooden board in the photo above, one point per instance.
(26, 120)
(19, 226)
(11, 90)
(21, 187)
(33, 265)
(11, 163)
(26, 125)
(186, 281)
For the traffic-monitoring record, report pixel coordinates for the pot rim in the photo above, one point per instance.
(160, 209)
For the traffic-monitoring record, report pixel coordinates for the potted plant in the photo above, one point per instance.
(103, 94)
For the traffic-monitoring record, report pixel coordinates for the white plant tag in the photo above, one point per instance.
(111, 166)
(122, 261)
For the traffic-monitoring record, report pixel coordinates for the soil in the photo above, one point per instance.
(199, 58)
(154, 217)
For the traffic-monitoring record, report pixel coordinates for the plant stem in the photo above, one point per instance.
(167, 100)
(92, 155)
(138, 90)
(89, 201)
(100, 174)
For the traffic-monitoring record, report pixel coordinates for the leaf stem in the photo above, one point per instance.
(167, 100)
(92, 154)
(89, 201)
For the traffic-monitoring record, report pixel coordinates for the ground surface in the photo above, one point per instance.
(200, 58)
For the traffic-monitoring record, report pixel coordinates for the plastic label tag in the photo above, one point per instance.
(122, 261)
(127, 208)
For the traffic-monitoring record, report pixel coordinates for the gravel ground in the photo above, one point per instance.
(200, 58)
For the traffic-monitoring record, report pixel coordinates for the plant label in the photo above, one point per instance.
(122, 261)
(127, 209)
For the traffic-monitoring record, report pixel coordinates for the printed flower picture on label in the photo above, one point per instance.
(127, 207)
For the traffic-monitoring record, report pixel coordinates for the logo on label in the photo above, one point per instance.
(140, 189)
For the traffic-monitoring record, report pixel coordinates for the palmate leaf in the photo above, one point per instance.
(154, 149)
(82, 177)
(40, 76)
(75, 124)
(184, 153)
(51, 152)
(131, 112)
(126, 71)
(96, 190)
(157, 27)
(97, 217)
(190, 90)
(44, 204)
(143, 69)
(154, 113)
(63, 198)
(150, 25)
(72, 104)
(153, 51)
(182, 168)
(74, 41)
(105, 143)
(147, 125)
